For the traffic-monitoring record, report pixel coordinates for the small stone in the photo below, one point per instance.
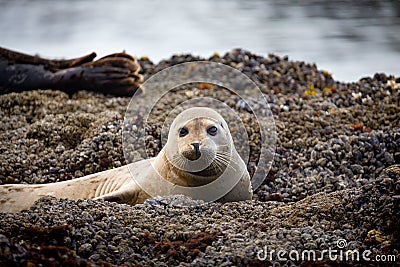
(389, 158)
(85, 249)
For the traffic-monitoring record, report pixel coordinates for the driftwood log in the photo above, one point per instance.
(116, 74)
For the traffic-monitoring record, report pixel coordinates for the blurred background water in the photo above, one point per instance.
(350, 39)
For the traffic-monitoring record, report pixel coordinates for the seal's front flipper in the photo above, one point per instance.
(127, 194)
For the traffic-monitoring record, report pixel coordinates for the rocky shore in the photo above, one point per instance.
(335, 175)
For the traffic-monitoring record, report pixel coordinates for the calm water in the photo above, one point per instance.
(347, 38)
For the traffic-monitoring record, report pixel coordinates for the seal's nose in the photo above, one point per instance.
(196, 148)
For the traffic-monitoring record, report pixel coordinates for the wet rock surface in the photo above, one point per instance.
(334, 174)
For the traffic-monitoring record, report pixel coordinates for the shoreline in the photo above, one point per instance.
(327, 182)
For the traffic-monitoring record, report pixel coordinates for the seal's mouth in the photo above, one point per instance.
(193, 154)
(193, 160)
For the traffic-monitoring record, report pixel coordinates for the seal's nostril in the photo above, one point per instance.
(196, 146)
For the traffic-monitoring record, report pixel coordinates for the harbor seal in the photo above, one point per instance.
(198, 151)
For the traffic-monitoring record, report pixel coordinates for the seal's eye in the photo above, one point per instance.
(212, 130)
(183, 132)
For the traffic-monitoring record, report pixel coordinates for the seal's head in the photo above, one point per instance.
(199, 143)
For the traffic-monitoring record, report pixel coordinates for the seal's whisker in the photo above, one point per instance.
(222, 153)
(222, 163)
(178, 161)
(217, 166)
(223, 156)
(182, 163)
(223, 159)
(228, 163)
